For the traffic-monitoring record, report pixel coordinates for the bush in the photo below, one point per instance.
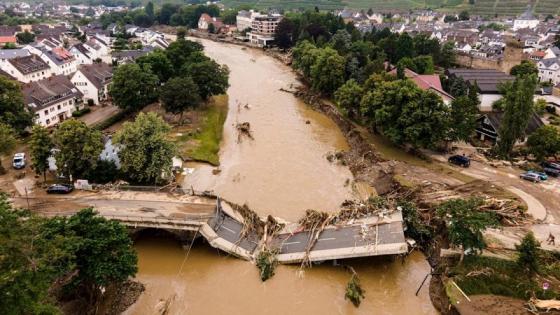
(104, 172)
(81, 112)
(529, 253)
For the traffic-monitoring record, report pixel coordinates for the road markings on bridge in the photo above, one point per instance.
(290, 243)
(326, 239)
(228, 229)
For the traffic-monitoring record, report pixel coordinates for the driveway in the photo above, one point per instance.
(99, 114)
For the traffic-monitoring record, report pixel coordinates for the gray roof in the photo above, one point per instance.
(550, 61)
(57, 59)
(43, 93)
(82, 49)
(13, 53)
(99, 74)
(495, 119)
(487, 80)
(29, 64)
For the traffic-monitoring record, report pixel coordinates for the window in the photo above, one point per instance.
(52, 109)
(48, 121)
(46, 112)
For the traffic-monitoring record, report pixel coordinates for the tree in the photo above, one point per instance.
(211, 28)
(145, 152)
(149, 9)
(518, 108)
(529, 252)
(284, 36)
(78, 147)
(133, 87)
(158, 63)
(544, 142)
(40, 150)
(465, 223)
(448, 55)
(179, 52)
(349, 96)
(424, 64)
(304, 57)
(210, 77)
(341, 41)
(178, 95)
(525, 68)
(31, 262)
(103, 250)
(25, 37)
(464, 16)
(13, 111)
(7, 142)
(405, 114)
(463, 117)
(327, 73)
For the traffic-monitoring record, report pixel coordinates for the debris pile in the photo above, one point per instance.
(244, 129)
(267, 262)
(354, 291)
(252, 223)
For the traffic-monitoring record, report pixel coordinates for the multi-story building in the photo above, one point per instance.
(93, 81)
(263, 28)
(526, 20)
(59, 59)
(549, 70)
(52, 100)
(27, 69)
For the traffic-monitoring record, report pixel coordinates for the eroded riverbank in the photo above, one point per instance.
(283, 172)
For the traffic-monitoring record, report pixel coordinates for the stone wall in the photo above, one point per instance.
(512, 56)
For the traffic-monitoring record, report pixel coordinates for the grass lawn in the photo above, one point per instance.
(200, 140)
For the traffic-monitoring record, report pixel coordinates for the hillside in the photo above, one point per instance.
(355, 4)
(514, 7)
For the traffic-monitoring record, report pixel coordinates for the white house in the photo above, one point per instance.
(52, 100)
(526, 20)
(552, 52)
(549, 70)
(93, 81)
(27, 69)
(82, 54)
(59, 59)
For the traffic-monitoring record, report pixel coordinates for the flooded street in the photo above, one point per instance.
(282, 172)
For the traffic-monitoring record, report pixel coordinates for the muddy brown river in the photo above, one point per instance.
(282, 172)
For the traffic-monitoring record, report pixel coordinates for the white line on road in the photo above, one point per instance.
(326, 239)
(290, 243)
(228, 229)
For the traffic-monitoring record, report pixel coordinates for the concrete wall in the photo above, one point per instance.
(512, 56)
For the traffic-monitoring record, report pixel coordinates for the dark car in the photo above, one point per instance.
(551, 171)
(553, 165)
(60, 189)
(460, 160)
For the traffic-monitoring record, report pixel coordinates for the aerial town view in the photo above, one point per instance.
(279, 157)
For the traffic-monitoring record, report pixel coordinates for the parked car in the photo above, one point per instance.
(460, 160)
(60, 189)
(553, 165)
(19, 161)
(551, 171)
(542, 175)
(531, 177)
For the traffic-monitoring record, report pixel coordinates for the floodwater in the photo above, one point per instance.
(282, 172)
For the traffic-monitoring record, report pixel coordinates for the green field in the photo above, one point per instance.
(481, 7)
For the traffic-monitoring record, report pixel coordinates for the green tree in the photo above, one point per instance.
(31, 261)
(133, 87)
(284, 36)
(448, 55)
(103, 251)
(464, 16)
(327, 73)
(518, 108)
(178, 95)
(529, 253)
(405, 114)
(424, 64)
(158, 63)
(525, 68)
(78, 147)
(149, 9)
(349, 96)
(544, 142)
(465, 223)
(12, 106)
(145, 152)
(7, 142)
(211, 28)
(341, 41)
(304, 56)
(25, 37)
(463, 117)
(210, 77)
(180, 51)
(40, 150)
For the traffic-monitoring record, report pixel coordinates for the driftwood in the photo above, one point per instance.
(244, 129)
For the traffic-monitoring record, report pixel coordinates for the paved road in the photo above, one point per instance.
(345, 237)
(230, 230)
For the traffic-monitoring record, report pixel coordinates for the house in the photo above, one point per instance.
(93, 81)
(82, 54)
(244, 20)
(552, 52)
(488, 125)
(128, 56)
(205, 20)
(58, 58)
(27, 69)
(549, 70)
(427, 82)
(537, 55)
(487, 81)
(526, 20)
(4, 40)
(52, 100)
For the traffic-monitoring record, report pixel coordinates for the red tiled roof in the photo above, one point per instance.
(425, 82)
(7, 39)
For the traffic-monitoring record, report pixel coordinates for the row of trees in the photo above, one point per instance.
(181, 77)
(145, 153)
(78, 256)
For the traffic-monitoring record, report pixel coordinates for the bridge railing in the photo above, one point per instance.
(137, 218)
(179, 190)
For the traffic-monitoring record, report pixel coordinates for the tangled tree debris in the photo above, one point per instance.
(354, 291)
(267, 262)
(252, 223)
(244, 129)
